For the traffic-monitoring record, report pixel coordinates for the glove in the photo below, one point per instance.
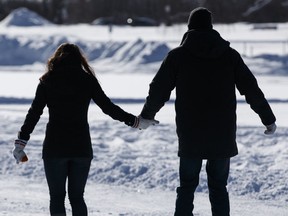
(142, 123)
(18, 152)
(270, 129)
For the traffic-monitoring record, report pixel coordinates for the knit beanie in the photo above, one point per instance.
(200, 18)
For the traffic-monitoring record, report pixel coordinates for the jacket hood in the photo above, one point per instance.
(205, 44)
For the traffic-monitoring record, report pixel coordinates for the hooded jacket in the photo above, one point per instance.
(67, 93)
(205, 70)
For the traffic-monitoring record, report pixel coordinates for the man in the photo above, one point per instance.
(205, 70)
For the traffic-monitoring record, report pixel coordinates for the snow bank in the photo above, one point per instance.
(268, 64)
(23, 50)
(135, 47)
(27, 49)
(31, 49)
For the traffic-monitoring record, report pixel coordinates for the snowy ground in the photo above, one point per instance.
(136, 172)
(106, 200)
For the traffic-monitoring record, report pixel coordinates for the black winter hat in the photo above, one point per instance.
(200, 18)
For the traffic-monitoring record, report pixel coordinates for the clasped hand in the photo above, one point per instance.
(142, 123)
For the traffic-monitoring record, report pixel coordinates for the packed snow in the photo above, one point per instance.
(136, 172)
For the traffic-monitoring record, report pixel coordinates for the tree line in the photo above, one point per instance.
(163, 11)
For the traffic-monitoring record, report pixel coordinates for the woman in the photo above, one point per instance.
(66, 89)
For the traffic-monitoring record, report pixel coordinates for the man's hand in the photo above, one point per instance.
(18, 152)
(142, 123)
(270, 129)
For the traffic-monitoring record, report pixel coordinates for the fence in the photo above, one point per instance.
(257, 47)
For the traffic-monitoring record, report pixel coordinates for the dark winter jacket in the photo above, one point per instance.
(205, 71)
(67, 94)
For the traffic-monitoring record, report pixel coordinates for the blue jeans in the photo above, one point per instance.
(57, 171)
(217, 175)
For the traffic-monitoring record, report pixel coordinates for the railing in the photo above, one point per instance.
(251, 48)
(255, 47)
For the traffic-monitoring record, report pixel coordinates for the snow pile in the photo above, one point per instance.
(130, 48)
(26, 50)
(138, 52)
(268, 64)
(25, 18)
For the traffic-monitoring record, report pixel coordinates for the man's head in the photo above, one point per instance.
(200, 18)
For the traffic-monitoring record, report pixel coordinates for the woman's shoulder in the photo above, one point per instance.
(71, 75)
(86, 77)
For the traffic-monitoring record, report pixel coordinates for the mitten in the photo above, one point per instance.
(18, 152)
(142, 123)
(270, 129)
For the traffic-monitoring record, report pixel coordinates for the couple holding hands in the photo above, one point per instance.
(204, 70)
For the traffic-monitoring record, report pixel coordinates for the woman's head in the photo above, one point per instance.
(67, 54)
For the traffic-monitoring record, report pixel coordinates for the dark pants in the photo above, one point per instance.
(217, 175)
(57, 171)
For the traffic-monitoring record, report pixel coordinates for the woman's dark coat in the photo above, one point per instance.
(67, 93)
(205, 71)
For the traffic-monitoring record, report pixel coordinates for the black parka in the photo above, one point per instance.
(67, 93)
(205, 71)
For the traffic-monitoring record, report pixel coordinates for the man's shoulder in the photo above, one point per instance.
(177, 50)
(182, 50)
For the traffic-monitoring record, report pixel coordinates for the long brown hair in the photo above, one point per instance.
(67, 54)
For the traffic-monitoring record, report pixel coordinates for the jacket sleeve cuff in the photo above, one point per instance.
(131, 120)
(23, 136)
